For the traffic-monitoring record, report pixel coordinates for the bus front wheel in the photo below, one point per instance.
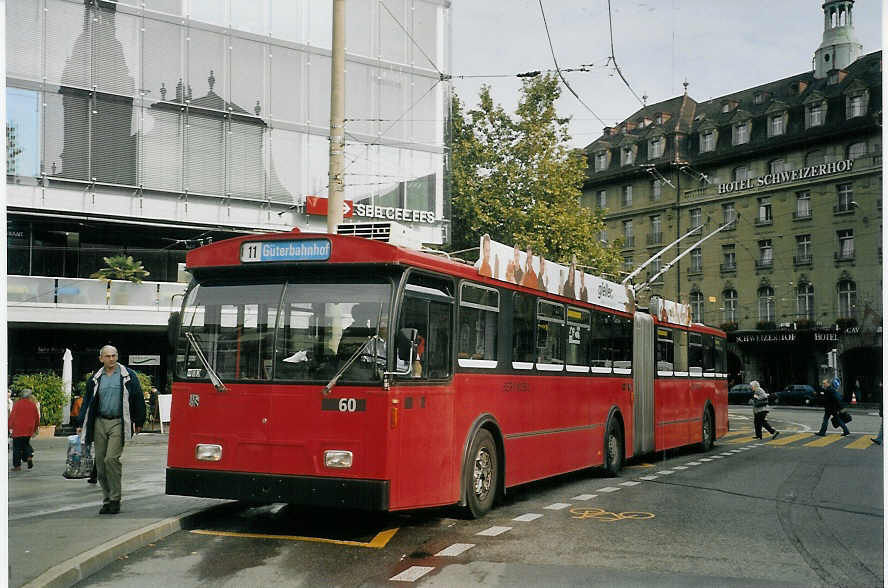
(481, 474)
(613, 448)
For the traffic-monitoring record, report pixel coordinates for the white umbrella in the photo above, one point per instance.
(66, 384)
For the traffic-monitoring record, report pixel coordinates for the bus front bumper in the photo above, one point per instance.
(268, 488)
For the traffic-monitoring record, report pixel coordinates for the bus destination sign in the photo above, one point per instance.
(305, 250)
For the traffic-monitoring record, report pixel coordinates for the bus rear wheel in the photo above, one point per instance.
(613, 448)
(708, 434)
(481, 474)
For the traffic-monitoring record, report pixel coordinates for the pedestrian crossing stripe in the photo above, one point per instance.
(740, 440)
(790, 439)
(861, 443)
(823, 441)
(735, 433)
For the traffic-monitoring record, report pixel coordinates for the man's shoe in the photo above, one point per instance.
(16, 469)
(106, 508)
(30, 463)
(845, 434)
(758, 436)
(92, 481)
(114, 507)
(876, 441)
(820, 434)
(774, 436)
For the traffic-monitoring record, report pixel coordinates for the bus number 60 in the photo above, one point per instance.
(348, 405)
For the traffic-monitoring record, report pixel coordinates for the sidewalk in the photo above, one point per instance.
(56, 536)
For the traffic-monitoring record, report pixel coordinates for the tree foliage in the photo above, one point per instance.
(121, 267)
(517, 180)
(48, 391)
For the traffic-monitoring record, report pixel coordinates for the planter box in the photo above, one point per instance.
(46, 432)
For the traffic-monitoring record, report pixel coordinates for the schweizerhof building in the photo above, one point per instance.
(797, 163)
(147, 127)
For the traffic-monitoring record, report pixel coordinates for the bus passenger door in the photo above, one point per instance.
(643, 383)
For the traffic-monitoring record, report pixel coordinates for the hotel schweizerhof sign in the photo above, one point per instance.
(812, 171)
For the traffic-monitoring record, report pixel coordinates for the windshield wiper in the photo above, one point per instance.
(214, 377)
(350, 361)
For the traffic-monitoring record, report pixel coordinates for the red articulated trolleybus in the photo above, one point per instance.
(340, 371)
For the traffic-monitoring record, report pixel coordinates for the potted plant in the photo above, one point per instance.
(846, 323)
(766, 325)
(729, 326)
(120, 267)
(804, 324)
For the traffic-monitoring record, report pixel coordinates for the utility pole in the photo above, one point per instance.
(336, 189)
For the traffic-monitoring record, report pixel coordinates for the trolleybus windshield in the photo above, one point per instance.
(285, 331)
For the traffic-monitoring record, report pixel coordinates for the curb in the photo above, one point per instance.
(80, 567)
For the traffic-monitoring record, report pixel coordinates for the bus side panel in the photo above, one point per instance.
(421, 464)
(671, 400)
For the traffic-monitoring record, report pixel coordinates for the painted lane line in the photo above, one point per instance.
(525, 518)
(666, 473)
(649, 478)
(717, 457)
(727, 454)
(455, 549)
(693, 463)
(412, 574)
(557, 506)
(705, 459)
(630, 483)
(735, 451)
(608, 489)
(494, 531)
(585, 497)
(679, 467)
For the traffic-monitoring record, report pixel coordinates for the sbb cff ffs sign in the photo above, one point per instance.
(318, 206)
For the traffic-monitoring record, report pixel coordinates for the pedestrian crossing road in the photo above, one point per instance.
(804, 439)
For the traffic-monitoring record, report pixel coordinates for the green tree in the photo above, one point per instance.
(48, 391)
(519, 181)
(121, 267)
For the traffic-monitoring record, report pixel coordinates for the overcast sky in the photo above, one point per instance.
(719, 46)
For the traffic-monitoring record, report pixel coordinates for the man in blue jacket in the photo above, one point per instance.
(832, 404)
(113, 408)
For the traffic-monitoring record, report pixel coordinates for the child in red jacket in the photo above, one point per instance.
(24, 422)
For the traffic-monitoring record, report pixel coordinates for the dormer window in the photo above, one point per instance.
(600, 160)
(659, 118)
(741, 131)
(776, 124)
(726, 107)
(855, 105)
(707, 141)
(627, 155)
(815, 115)
(656, 147)
(759, 98)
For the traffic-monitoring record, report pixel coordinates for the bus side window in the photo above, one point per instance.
(665, 351)
(551, 335)
(681, 352)
(695, 354)
(578, 337)
(523, 330)
(622, 342)
(428, 308)
(721, 359)
(709, 354)
(478, 326)
(600, 344)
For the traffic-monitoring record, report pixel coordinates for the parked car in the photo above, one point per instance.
(740, 394)
(797, 394)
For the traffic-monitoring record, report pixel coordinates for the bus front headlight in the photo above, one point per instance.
(208, 452)
(337, 459)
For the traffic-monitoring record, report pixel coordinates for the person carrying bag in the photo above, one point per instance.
(832, 407)
(760, 410)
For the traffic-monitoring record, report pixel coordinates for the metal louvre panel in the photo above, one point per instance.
(288, 87)
(207, 53)
(66, 132)
(205, 154)
(248, 79)
(643, 383)
(162, 60)
(286, 150)
(114, 141)
(163, 133)
(24, 32)
(116, 51)
(245, 167)
(68, 44)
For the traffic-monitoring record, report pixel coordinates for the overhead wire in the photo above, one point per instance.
(613, 57)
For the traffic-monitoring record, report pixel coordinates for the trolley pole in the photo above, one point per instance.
(336, 189)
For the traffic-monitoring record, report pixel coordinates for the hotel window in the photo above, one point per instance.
(602, 199)
(805, 301)
(847, 298)
(729, 257)
(766, 303)
(742, 173)
(815, 158)
(627, 195)
(803, 248)
(601, 161)
(844, 197)
(628, 235)
(659, 118)
(766, 253)
(726, 107)
(729, 213)
(697, 306)
(775, 125)
(656, 147)
(815, 115)
(656, 230)
(776, 166)
(707, 141)
(855, 106)
(759, 98)
(695, 217)
(856, 150)
(741, 133)
(627, 155)
(696, 260)
(846, 243)
(627, 264)
(730, 308)
(656, 190)
(764, 211)
(602, 235)
(803, 204)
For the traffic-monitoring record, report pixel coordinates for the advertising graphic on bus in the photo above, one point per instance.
(340, 371)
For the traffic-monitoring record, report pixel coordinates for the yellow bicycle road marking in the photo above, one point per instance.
(789, 439)
(378, 542)
(823, 441)
(600, 514)
(861, 443)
